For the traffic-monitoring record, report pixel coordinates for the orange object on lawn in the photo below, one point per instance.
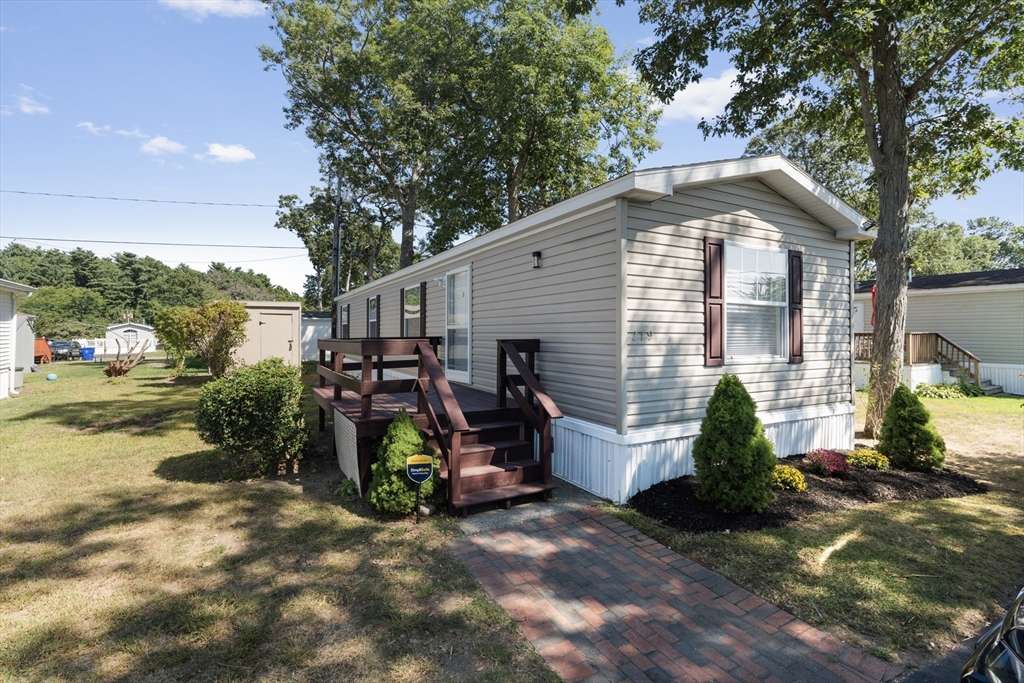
(41, 355)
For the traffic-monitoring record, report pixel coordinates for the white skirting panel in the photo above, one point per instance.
(1006, 376)
(346, 446)
(617, 466)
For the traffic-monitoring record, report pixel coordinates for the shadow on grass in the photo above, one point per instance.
(304, 587)
(200, 467)
(902, 573)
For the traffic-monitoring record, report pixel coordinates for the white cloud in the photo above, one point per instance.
(133, 133)
(160, 145)
(231, 154)
(92, 128)
(200, 9)
(702, 100)
(646, 42)
(5, 110)
(27, 105)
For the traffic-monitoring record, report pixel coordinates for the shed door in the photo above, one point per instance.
(458, 325)
(276, 339)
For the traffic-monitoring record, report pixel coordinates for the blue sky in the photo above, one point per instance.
(168, 99)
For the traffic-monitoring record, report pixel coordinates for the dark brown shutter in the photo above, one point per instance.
(423, 309)
(348, 321)
(367, 317)
(796, 306)
(714, 301)
(378, 316)
(401, 312)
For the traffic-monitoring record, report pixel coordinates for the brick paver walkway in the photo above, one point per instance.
(602, 602)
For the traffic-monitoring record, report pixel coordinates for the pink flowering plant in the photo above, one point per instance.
(826, 463)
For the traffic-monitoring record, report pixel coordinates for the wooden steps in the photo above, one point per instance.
(496, 463)
(989, 388)
(504, 494)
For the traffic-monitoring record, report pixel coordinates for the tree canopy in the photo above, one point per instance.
(914, 82)
(459, 113)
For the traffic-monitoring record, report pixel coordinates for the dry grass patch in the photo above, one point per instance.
(895, 577)
(123, 556)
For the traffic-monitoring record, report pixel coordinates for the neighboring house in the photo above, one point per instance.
(315, 325)
(981, 312)
(128, 334)
(10, 293)
(24, 347)
(643, 292)
(273, 331)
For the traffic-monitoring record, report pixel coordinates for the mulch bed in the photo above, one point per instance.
(675, 502)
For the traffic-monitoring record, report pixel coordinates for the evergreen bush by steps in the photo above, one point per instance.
(733, 459)
(391, 490)
(908, 438)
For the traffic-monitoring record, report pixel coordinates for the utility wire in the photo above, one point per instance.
(152, 244)
(131, 199)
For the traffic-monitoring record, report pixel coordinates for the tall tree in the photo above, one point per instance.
(469, 113)
(357, 82)
(543, 111)
(912, 78)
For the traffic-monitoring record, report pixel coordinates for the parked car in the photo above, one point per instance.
(999, 657)
(65, 350)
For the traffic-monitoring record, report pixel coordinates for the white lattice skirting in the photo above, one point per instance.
(616, 466)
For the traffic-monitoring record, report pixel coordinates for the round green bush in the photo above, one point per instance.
(391, 490)
(867, 458)
(732, 457)
(254, 414)
(908, 438)
(788, 478)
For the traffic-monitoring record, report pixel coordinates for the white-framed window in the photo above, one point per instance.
(458, 323)
(371, 317)
(756, 303)
(344, 321)
(131, 336)
(411, 312)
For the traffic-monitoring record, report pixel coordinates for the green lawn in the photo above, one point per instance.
(896, 577)
(123, 555)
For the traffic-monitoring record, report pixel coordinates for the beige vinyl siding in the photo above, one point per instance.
(988, 323)
(569, 304)
(665, 376)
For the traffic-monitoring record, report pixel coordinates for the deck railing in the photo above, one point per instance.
(372, 354)
(538, 414)
(925, 347)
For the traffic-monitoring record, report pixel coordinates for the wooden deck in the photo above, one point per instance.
(387, 406)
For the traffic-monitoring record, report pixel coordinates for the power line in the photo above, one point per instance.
(152, 244)
(131, 199)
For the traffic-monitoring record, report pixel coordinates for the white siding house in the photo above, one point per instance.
(643, 292)
(10, 293)
(128, 334)
(981, 312)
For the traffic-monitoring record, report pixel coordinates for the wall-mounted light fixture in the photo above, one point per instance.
(536, 259)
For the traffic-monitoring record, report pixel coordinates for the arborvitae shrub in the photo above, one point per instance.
(733, 459)
(908, 437)
(391, 490)
(255, 415)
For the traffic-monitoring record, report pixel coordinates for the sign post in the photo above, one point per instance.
(419, 468)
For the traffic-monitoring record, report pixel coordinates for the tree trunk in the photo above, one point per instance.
(512, 194)
(892, 246)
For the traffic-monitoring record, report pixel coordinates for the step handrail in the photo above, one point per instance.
(539, 416)
(952, 354)
(449, 441)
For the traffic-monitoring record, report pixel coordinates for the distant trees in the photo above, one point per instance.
(66, 312)
(81, 293)
(941, 247)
